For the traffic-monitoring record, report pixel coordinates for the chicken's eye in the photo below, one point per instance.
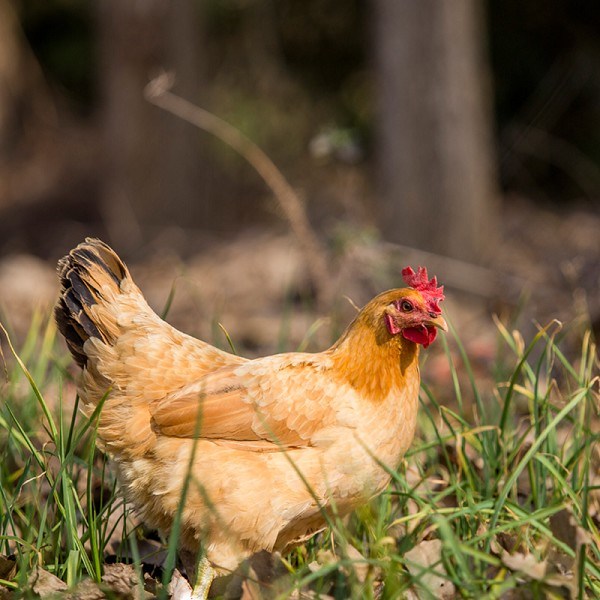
(406, 306)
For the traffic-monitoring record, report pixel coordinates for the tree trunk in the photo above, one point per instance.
(11, 88)
(436, 166)
(151, 158)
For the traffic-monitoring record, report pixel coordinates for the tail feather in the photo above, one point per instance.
(88, 274)
(130, 357)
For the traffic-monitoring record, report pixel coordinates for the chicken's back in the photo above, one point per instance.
(130, 357)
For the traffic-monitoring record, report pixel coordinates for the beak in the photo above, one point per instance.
(439, 322)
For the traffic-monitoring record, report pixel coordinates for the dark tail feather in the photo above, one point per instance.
(82, 273)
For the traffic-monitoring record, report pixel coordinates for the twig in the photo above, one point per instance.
(158, 93)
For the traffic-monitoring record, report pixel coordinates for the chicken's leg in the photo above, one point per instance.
(204, 577)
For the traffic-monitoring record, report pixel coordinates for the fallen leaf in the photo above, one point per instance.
(324, 557)
(564, 526)
(251, 590)
(308, 595)
(45, 584)
(428, 555)
(8, 567)
(87, 590)
(179, 587)
(527, 564)
(359, 564)
(122, 580)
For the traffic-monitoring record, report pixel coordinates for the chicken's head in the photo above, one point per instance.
(414, 312)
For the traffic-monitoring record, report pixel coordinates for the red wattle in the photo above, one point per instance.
(420, 335)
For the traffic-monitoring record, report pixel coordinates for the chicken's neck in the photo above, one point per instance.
(373, 362)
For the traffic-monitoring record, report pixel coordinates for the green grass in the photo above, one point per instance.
(501, 475)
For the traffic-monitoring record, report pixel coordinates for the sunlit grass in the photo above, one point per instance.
(497, 492)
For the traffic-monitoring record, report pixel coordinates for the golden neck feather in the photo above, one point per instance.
(371, 360)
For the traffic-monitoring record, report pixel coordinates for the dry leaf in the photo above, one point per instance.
(423, 556)
(566, 586)
(5, 594)
(45, 584)
(122, 580)
(565, 528)
(308, 595)
(527, 564)
(251, 590)
(324, 557)
(8, 567)
(87, 590)
(360, 566)
(179, 587)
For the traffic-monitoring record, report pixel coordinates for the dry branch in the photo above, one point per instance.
(158, 93)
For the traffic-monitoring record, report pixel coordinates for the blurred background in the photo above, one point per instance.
(461, 135)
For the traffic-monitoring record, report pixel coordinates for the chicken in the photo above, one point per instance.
(269, 447)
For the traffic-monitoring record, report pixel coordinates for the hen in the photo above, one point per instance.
(269, 446)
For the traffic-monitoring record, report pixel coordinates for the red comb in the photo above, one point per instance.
(428, 287)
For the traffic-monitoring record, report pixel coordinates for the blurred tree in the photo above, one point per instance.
(437, 179)
(284, 71)
(11, 59)
(24, 101)
(151, 157)
(28, 120)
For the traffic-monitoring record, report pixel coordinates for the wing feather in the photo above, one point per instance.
(263, 405)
